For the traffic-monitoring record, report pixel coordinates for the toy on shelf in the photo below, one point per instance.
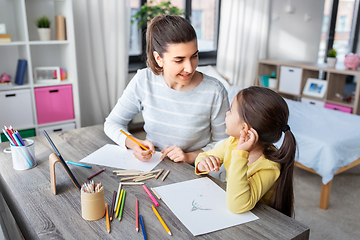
(352, 61)
(4, 78)
(62, 74)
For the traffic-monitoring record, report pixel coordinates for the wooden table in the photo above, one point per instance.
(42, 215)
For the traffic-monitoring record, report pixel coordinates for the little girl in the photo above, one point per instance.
(255, 169)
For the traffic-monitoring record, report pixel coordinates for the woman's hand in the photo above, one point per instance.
(209, 164)
(247, 141)
(174, 153)
(139, 152)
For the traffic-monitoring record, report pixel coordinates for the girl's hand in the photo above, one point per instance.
(174, 153)
(142, 154)
(247, 141)
(209, 164)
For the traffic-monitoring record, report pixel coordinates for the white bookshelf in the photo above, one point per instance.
(19, 17)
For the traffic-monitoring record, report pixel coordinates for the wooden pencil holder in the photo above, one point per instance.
(92, 205)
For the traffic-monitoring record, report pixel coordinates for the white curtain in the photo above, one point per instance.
(243, 36)
(102, 33)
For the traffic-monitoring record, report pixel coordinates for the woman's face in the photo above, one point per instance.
(179, 64)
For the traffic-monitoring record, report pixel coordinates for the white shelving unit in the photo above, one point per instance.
(19, 17)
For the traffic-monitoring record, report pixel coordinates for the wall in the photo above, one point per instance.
(290, 36)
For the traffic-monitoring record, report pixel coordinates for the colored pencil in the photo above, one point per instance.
(161, 220)
(8, 137)
(137, 215)
(142, 226)
(107, 218)
(155, 193)
(98, 172)
(128, 178)
(145, 148)
(117, 197)
(150, 195)
(119, 202)
(112, 206)
(158, 175)
(155, 171)
(19, 137)
(122, 205)
(78, 164)
(167, 173)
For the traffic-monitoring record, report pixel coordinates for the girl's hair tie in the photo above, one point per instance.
(285, 128)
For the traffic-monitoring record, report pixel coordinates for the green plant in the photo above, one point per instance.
(43, 22)
(148, 12)
(332, 53)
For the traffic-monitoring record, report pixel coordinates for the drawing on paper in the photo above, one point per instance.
(197, 206)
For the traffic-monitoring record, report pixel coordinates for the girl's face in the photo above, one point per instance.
(179, 64)
(234, 124)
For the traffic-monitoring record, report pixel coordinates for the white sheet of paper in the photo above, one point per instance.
(112, 155)
(200, 205)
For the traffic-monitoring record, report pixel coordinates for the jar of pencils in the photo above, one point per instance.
(92, 201)
(23, 155)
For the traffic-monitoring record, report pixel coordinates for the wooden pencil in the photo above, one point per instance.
(167, 173)
(155, 193)
(158, 175)
(155, 171)
(128, 174)
(161, 220)
(144, 178)
(129, 178)
(132, 183)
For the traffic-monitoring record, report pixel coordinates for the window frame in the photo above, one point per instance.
(205, 58)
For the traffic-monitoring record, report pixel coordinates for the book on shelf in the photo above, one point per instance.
(20, 71)
(5, 38)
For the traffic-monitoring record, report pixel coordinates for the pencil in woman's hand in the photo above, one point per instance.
(142, 146)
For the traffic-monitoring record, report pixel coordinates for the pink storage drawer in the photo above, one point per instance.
(54, 103)
(338, 107)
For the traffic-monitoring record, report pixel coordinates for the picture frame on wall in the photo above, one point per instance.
(47, 75)
(315, 87)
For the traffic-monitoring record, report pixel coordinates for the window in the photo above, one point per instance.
(340, 27)
(203, 15)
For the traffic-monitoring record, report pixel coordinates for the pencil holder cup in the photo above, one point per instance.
(92, 205)
(23, 156)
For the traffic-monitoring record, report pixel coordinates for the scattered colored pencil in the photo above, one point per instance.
(142, 226)
(117, 197)
(161, 220)
(137, 215)
(107, 217)
(158, 175)
(98, 172)
(142, 146)
(150, 195)
(78, 164)
(122, 205)
(112, 206)
(119, 202)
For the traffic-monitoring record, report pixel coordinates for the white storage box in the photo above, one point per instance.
(16, 109)
(56, 128)
(312, 102)
(290, 80)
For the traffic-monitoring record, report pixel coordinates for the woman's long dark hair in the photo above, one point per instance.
(267, 112)
(162, 31)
